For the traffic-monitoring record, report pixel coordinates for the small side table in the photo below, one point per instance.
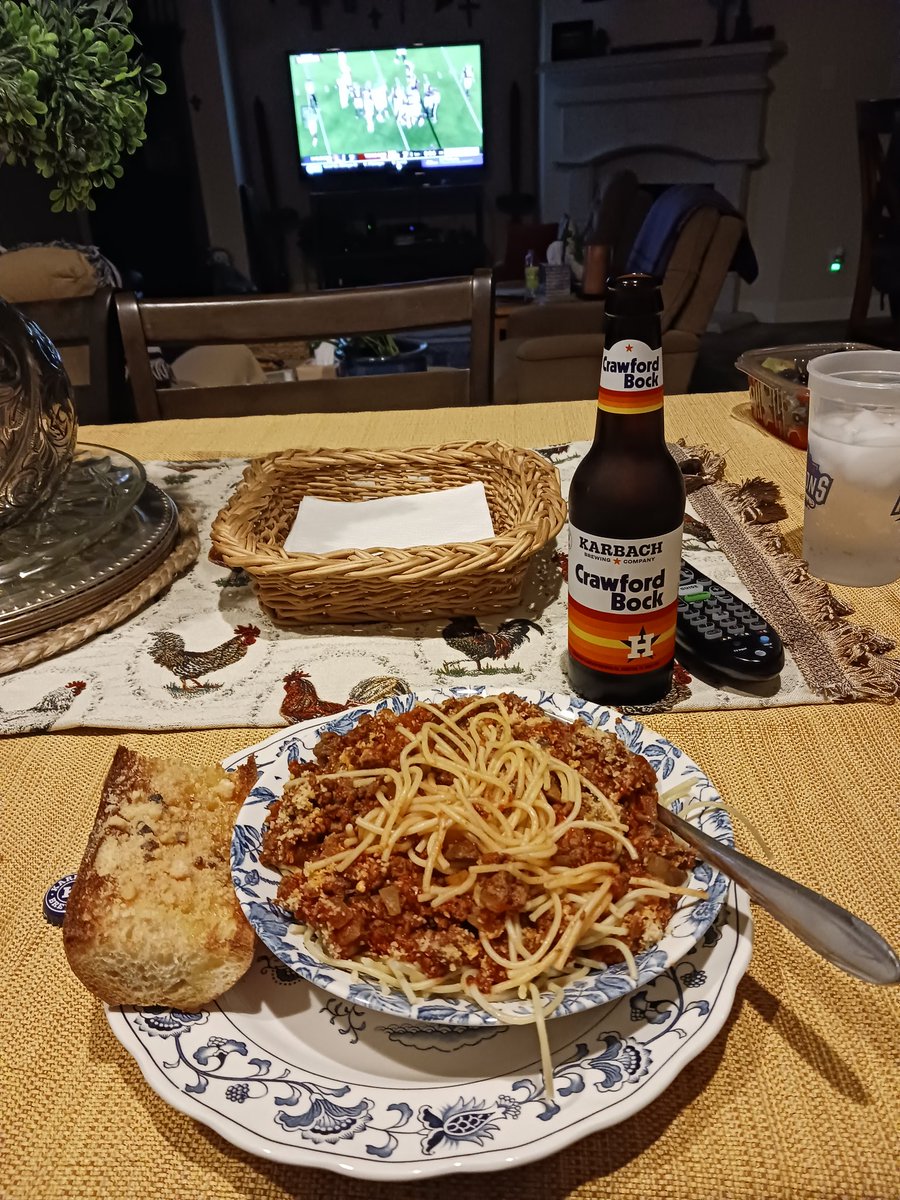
(504, 306)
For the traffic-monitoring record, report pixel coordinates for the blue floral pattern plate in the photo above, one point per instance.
(289, 1072)
(256, 885)
(285, 1071)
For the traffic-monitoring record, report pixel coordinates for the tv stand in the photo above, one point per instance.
(372, 235)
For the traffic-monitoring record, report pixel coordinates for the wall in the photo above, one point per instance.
(25, 214)
(205, 58)
(261, 35)
(803, 201)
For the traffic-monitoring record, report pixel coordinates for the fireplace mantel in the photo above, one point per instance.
(697, 64)
(674, 116)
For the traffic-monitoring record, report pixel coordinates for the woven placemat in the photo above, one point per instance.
(795, 1099)
(66, 637)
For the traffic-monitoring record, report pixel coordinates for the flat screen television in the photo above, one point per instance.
(410, 110)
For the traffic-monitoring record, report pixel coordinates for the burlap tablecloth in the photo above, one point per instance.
(797, 1097)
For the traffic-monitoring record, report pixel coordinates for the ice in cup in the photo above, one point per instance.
(851, 527)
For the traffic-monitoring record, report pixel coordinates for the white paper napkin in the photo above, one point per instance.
(458, 514)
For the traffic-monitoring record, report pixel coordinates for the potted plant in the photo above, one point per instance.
(73, 101)
(73, 92)
(380, 354)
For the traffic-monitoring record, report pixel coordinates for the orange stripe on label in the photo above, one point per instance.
(630, 402)
(659, 618)
(611, 666)
(599, 640)
(641, 640)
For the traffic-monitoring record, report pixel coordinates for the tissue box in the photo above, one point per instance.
(385, 583)
(779, 396)
(556, 280)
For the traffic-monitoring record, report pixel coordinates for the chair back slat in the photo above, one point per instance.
(878, 140)
(254, 319)
(445, 389)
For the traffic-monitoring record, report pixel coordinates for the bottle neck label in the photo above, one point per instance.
(631, 378)
(623, 600)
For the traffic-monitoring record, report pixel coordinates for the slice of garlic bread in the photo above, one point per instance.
(152, 917)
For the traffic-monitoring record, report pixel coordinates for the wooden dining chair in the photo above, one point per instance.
(258, 319)
(878, 135)
(86, 321)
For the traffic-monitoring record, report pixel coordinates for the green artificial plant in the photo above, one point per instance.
(73, 92)
(372, 345)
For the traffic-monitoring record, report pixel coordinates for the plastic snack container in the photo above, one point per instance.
(779, 388)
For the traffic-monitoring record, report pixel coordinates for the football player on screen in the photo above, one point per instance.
(344, 81)
(311, 117)
(368, 107)
(430, 102)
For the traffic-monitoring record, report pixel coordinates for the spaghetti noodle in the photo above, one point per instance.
(476, 847)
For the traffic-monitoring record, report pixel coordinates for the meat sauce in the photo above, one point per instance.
(373, 907)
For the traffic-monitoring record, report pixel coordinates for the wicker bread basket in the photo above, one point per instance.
(383, 583)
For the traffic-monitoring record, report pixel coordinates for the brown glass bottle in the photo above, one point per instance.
(626, 512)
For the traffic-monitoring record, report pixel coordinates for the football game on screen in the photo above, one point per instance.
(421, 104)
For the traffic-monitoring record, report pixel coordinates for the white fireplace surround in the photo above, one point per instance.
(674, 116)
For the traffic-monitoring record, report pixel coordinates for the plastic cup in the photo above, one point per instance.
(851, 527)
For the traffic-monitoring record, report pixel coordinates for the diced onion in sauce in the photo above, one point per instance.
(390, 898)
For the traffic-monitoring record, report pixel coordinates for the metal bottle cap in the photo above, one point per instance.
(55, 899)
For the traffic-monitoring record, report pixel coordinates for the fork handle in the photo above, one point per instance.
(830, 930)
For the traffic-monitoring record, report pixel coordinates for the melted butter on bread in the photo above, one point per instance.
(152, 917)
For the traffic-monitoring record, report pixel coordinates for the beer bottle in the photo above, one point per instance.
(626, 512)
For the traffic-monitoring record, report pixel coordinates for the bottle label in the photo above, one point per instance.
(623, 601)
(631, 378)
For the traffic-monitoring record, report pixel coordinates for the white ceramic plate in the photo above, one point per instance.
(291, 1073)
(285, 1071)
(256, 885)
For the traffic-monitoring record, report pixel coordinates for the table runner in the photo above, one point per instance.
(251, 671)
(796, 1099)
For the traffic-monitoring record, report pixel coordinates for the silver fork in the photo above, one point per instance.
(827, 928)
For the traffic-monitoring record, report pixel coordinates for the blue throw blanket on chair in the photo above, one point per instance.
(656, 238)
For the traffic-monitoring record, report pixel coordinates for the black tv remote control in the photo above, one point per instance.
(718, 628)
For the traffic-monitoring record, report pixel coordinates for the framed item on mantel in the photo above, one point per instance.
(571, 39)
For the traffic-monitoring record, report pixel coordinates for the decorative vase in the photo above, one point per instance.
(596, 269)
(38, 426)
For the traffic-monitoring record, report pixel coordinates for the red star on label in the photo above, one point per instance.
(628, 347)
(617, 561)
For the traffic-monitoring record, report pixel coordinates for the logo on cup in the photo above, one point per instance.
(895, 511)
(818, 483)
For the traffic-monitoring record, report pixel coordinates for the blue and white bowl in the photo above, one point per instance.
(256, 885)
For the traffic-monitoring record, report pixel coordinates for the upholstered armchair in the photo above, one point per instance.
(553, 351)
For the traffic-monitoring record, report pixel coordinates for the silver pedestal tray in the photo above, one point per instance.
(99, 489)
(124, 556)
